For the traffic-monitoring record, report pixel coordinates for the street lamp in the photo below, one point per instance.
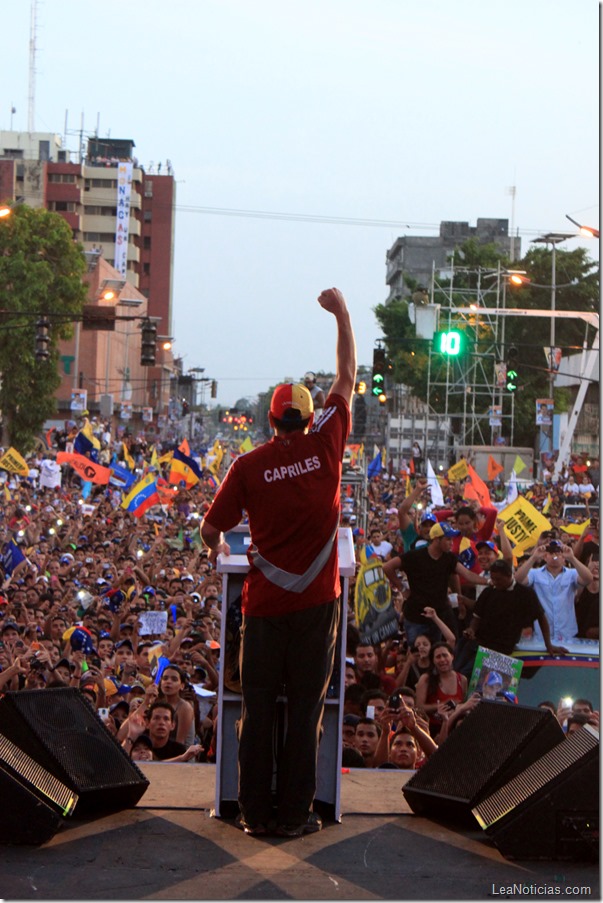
(586, 231)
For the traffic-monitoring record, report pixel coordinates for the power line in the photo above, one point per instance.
(291, 216)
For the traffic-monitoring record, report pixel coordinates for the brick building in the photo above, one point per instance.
(125, 219)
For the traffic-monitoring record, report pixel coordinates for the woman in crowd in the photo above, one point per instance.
(171, 687)
(442, 686)
(418, 660)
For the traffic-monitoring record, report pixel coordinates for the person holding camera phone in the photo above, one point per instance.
(397, 719)
(555, 585)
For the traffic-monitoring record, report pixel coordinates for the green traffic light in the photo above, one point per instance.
(512, 380)
(377, 387)
(450, 343)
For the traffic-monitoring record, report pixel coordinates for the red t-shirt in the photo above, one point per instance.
(468, 554)
(290, 490)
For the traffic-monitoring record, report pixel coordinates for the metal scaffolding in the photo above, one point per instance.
(486, 411)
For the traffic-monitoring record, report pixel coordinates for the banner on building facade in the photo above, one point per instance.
(124, 192)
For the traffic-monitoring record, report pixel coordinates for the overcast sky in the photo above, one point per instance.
(373, 110)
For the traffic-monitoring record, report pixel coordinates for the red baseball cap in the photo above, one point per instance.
(291, 401)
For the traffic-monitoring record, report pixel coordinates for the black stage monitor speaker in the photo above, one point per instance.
(492, 744)
(59, 730)
(550, 810)
(38, 800)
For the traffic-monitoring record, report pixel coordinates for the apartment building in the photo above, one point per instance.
(120, 214)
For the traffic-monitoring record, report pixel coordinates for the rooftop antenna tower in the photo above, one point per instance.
(32, 68)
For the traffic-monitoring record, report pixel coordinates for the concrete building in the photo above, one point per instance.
(418, 256)
(124, 218)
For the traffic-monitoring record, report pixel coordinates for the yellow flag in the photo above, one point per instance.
(218, 451)
(458, 471)
(523, 524)
(547, 504)
(154, 458)
(127, 456)
(246, 445)
(519, 465)
(164, 459)
(576, 529)
(12, 461)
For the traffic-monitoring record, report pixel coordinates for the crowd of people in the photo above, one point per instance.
(458, 584)
(79, 576)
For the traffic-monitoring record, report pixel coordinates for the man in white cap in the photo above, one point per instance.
(289, 488)
(318, 396)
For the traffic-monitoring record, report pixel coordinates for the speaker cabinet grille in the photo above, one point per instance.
(556, 762)
(59, 730)
(494, 742)
(34, 774)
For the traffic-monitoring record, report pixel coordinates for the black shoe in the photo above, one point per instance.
(311, 826)
(254, 830)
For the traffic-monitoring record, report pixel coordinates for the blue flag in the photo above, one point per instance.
(375, 466)
(121, 477)
(11, 556)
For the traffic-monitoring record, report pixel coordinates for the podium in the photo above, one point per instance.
(234, 567)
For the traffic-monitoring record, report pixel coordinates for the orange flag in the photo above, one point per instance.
(475, 488)
(184, 447)
(87, 469)
(494, 468)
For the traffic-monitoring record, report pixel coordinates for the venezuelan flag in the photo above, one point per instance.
(89, 434)
(184, 469)
(83, 446)
(142, 496)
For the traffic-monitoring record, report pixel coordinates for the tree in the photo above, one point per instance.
(41, 273)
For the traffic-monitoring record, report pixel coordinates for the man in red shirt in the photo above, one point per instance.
(289, 488)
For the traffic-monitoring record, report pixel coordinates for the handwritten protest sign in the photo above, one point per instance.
(152, 622)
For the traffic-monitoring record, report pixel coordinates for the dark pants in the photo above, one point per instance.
(465, 656)
(296, 650)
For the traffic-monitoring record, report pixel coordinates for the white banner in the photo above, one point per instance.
(124, 191)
